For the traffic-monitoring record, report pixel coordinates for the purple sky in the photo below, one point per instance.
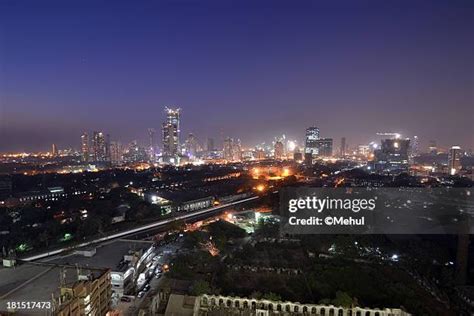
(246, 69)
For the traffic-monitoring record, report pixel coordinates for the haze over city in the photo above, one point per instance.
(249, 70)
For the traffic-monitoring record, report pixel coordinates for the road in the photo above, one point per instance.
(138, 229)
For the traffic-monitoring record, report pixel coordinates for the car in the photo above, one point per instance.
(125, 299)
(158, 275)
(141, 294)
(146, 288)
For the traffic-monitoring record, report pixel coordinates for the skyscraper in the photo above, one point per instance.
(54, 150)
(279, 150)
(415, 148)
(392, 157)
(171, 134)
(85, 150)
(151, 143)
(342, 150)
(210, 144)
(454, 160)
(324, 147)
(116, 153)
(312, 135)
(237, 150)
(228, 150)
(100, 147)
(191, 146)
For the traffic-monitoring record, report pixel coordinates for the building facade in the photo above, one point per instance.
(171, 134)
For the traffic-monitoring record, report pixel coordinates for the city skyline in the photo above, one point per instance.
(249, 71)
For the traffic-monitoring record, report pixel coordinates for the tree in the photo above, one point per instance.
(200, 287)
(271, 296)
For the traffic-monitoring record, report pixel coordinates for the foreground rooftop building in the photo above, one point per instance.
(207, 305)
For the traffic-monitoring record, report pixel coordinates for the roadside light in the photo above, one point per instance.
(260, 188)
(286, 172)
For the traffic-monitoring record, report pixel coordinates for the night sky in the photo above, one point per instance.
(246, 69)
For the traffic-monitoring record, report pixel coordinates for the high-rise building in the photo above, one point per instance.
(191, 146)
(392, 157)
(324, 147)
(116, 153)
(151, 143)
(237, 150)
(171, 134)
(85, 148)
(54, 150)
(454, 160)
(279, 150)
(210, 144)
(135, 153)
(100, 147)
(312, 135)
(342, 150)
(415, 148)
(228, 150)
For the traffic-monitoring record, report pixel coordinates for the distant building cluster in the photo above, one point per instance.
(390, 154)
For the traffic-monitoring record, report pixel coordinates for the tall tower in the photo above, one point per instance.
(228, 149)
(54, 150)
(100, 147)
(85, 150)
(237, 150)
(454, 160)
(342, 150)
(310, 145)
(152, 143)
(171, 132)
(116, 153)
(415, 148)
(279, 150)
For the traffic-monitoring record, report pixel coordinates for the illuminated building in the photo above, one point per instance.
(279, 150)
(135, 153)
(237, 150)
(100, 147)
(85, 149)
(171, 134)
(454, 160)
(152, 143)
(210, 144)
(415, 148)
(324, 147)
(312, 135)
(342, 150)
(260, 154)
(228, 150)
(298, 156)
(392, 157)
(54, 150)
(116, 153)
(90, 295)
(191, 146)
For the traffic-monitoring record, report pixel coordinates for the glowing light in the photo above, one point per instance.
(260, 188)
(291, 145)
